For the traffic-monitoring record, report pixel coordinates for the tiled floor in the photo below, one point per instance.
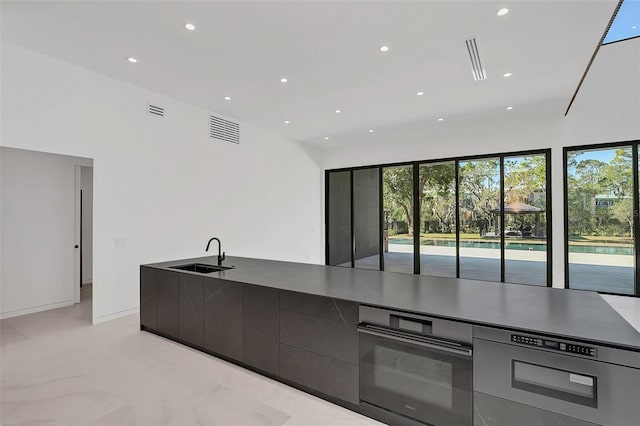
(57, 368)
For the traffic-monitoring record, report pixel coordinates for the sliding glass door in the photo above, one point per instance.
(601, 213)
(397, 195)
(437, 191)
(525, 219)
(480, 219)
(483, 218)
(339, 219)
(366, 218)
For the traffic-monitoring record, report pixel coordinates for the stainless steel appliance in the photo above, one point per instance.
(415, 369)
(527, 379)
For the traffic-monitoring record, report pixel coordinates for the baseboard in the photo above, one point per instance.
(35, 309)
(116, 315)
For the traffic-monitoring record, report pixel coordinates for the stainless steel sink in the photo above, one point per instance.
(200, 268)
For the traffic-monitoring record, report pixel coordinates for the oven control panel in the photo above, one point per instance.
(554, 345)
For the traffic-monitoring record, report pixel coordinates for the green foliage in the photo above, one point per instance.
(600, 194)
(397, 183)
(479, 193)
(438, 204)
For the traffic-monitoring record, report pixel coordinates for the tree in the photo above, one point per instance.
(524, 176)
(397, 185)
(438, 202)
(479, 192)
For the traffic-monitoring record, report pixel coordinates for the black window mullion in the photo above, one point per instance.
(353, 234)
(547, 205)
(502, 242)
(381, 218)
(457, 176)
(636, 219)
(326, 217)
(565, 176)
(416, 219)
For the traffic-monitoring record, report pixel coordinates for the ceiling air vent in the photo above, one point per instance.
(224, 130)
(474, 56)
(156, 110)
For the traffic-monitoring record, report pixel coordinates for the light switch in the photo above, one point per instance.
(121, 242)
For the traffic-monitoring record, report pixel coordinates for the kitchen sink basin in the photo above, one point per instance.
(200, 268)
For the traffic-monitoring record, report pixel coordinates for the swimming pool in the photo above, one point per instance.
(511, 245)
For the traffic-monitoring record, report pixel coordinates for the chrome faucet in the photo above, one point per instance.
(220, 257)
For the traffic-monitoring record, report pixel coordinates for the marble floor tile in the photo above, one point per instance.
(56, 368)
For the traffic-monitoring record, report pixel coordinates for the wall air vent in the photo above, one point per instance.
(474, 55)
(156, 110)
(224, 130)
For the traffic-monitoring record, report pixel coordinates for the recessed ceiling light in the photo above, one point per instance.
(384, 48)
(509, 108)
(440, 119)
(283, 80)
(507, 74)
(286, 122)
(420, 93)
(502, 11)
(132, 60)
(337, 111)
(370, 130)
(326, 138)
(190, 26)
(227, 98)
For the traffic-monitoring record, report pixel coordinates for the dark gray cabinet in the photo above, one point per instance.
(331, 338)
(261, 341)
(167, 303)
(222, 309)
(319, 306)
(333, 377)
(192, 309)
(308, 340)
(319, 344)
(492, 411)
(148, 297)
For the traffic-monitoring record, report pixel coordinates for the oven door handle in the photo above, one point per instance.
(464, 352)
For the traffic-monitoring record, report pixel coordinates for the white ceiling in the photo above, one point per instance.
(329, 53)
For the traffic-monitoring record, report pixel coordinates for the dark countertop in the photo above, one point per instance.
(582, 315)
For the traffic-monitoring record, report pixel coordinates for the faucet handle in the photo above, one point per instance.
(224, 256)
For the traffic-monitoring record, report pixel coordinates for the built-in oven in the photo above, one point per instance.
(414, 369)
(528, 379)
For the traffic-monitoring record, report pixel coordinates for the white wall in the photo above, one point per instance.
(161, 183)
(607, 109)
(37, 227)
(86, 184)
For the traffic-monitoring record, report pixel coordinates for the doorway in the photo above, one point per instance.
(83, 282)
(39, 209)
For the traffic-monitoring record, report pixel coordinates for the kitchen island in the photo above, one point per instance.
(298, 323)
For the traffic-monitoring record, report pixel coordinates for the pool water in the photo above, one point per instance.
(519, 246)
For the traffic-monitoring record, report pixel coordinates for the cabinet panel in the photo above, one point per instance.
(320, 306)
(191, 309)
(319, 335)
(148, 297)
(492, 411)
(330, 376)
(167, 296)
(223, 317)
(261, 328)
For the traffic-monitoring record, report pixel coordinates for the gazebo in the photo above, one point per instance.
(520, 208)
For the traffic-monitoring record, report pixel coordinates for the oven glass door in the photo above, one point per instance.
(430, 385)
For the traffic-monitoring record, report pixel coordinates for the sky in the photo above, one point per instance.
(626, 23)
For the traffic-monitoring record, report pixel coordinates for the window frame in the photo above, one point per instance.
(546, 152)
(635, 145)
